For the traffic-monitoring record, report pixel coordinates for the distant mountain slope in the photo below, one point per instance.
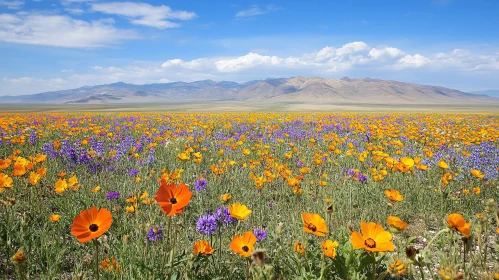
(490, 92)
(297, 89)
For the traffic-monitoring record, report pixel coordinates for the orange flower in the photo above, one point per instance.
(394, 195)
(243, 244)
(373, 238)
(396, 222)
(329, 248)
(55, 217)
(458, 224)
(61, 174)
(239, 211)
(34, 178)
(172, 198)
(203, 248)
(5, 182)
(299, 248)
(91, 223)
(225, 197)
(96, 189)
(313, 223)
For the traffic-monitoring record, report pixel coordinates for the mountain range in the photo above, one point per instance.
(295, 89)
(490, 92)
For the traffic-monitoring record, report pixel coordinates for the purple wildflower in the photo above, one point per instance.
(207, 224)
(260, 235)
(155, 233)
(200, 185)
(133, 172)
(223, 216)
(113, 195)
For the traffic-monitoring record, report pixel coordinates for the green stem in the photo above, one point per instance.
(96, 244)
(323, 267)
(172, 254)
(433, 240)
(421, 272)
(167, 240)
(374, 268)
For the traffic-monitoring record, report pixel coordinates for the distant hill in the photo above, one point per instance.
(296, 89)
(490, 92)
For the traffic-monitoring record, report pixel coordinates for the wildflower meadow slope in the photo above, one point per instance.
(249, 196)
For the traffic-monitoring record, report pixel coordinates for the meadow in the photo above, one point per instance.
(249, 196)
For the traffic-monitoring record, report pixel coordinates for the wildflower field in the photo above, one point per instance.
(249, 196)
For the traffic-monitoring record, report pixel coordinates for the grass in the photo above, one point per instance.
(280, 147)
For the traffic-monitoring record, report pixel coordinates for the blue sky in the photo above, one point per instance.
(49, 45)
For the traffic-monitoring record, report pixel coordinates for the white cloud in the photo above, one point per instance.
(14, 4)
(61, 31)
(357, 57)
(75, 11)
(412, 61)
(144, 14)
(246, 61)
(256, 11)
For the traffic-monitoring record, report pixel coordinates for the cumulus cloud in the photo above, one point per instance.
(59, 30)
(412, 61)
(144, 14)
(354, 57)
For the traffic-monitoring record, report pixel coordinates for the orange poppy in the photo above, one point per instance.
(202, 247)
(55, 217)
(299, 248)
(329, 248)
(313, 223)
(243, 244)
(396, 222)
(239, 211)
(172, 198)
(394, 195)
(458, 224)
(373, 238)
(225, 197)
(91, 223)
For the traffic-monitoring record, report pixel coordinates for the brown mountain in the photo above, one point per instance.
(296, 89)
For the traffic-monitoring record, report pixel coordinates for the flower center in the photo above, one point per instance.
(312, 227)
(173, 200)
(370, 243)
(93, 227)
(245, 248)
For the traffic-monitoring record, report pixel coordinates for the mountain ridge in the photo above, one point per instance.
(298, 89)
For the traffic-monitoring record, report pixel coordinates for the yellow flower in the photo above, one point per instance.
(184, 156)
(477, 173)
(55, 217)
(397, 268)
(442, 164)
(239, 211)
(130, 209)
(60, 186)
(96, 189)
(329, 248)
